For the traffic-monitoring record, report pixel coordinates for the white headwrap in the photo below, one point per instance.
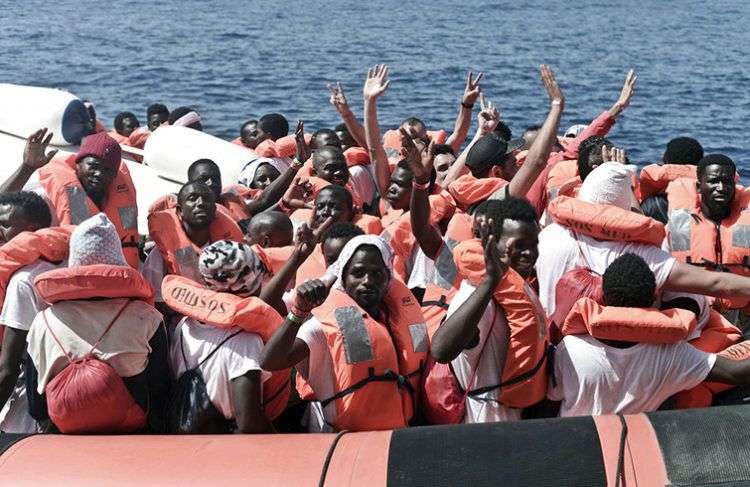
(575, 130)
(95, 241)
(609, 184)
(248, 172)
(188, 119)
(231, 266)
(337, 268)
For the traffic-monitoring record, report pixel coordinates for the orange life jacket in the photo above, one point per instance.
(356, 156)
(392, 142)
(50, 244)
(238, 141)
(287, 146)
(468, 190)
(655, 178)
(93, 281)
(570, 188)
(267, 148)
(313, 267)
(369, 224)
(120, 139)
(561, 173)
(273, 258)
(72, 205)
(233, 199)
(225, 310)
(180, 254)
(605, 222)
(377, 367)
(644, 325)
(524, 378)
(169, 201)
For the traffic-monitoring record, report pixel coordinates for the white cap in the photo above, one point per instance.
(608, 184)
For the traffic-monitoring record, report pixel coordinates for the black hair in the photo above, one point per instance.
(341, 128)
(656, 207)
(628, 282)
(591, 146)
(490, 150)
(339, 191)
(715, 160)
(332, 148)
(328, 132)
(338, 230)
(413, 121)
(34, 208)
(267, 218)
(202, 162)
(178, 113)
(157, 108)
(682, 302)
(683, 150)
(242, 127)
(444, 149)
(503, 131)
(191, 185)
(512, 208)
(121, 117)
(274, 124)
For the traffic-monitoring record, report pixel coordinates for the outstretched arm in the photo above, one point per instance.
(536, 159)
(338, 100)
(35, 156)
(463, 120)
(375, 85)
(691, 279)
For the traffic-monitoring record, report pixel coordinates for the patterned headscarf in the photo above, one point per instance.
(232, 267)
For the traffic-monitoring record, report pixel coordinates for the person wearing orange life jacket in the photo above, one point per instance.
(248, 135)
(679, 161)
(363, 349)
(631, 378)
(24, 215)
(125, 124)
(156, 115)
(337, 202)
(99, 305)
(83, 184)
(268, 229)
(495, 332)
(707, 219)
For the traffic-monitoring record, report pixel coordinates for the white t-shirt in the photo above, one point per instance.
(153, 271)
(422, 269)
(488, 363)
(238, 356)
(22, 303)
(78, 324)
(317, 369)
(594, 378)
(559, 252)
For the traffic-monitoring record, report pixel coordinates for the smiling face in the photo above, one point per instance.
(524, 251)
(366, 278)
(716, 187)
(329, 164)
(95, 176)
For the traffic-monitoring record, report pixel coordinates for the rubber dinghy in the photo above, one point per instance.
(689, 447)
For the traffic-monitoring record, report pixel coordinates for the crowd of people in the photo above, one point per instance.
(354, 279)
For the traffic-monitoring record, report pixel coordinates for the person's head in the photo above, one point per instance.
(126, 123)
(91, 121)
(716, 185)
(515, 227)
(207, 172)
(233, 267)
(196, 205)
(156, 114)
(264, 175)
(97, 163)
(503, 131)
(629, 283)
(415, 128)
(249, 134)
(529, 135)
(590, 155)
(269, 229)
(347, 141)
(656, 207)
(398, 194)
(364, 271)
(95, 241)
(610, 183)
(329, 163)
(444, 159)
(335, 202)
(272, 126)
(23, 211)
(186, 117)
(489, 152)
(334, 239)
(325, 138)
(683, 150)
(574, 131)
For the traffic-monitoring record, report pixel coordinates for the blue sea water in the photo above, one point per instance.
(235, 60)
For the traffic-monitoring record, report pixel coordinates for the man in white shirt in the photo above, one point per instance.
(610, 377)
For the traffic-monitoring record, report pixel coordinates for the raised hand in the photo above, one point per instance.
(338, 99)
(488, 117)
(614, 154)
(550, 84)
(34, 155)
(419, 156)
(298, 194)
(309, 295)
(495, 258)
(308, 236)
(627, 90)
(376, 82)
(471, 90)
(303, 150)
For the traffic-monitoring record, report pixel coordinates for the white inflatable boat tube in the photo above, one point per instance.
(25, 109)
(170, 150)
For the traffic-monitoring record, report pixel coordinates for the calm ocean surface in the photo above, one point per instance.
(235, 60)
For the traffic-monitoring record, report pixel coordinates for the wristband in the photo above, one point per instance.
(298, 312)
(421, 186)
(298, 320)
(467, 105)
(296, 164)
(556, 103)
